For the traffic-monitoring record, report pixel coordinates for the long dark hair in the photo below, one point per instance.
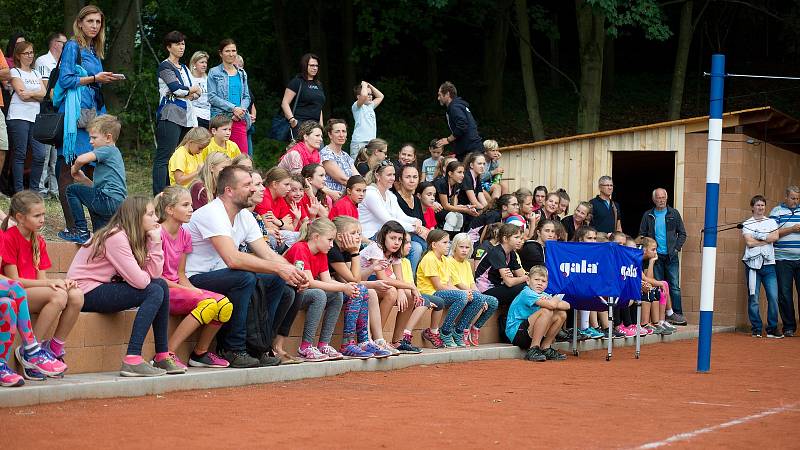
(304, 61)
(391, 226)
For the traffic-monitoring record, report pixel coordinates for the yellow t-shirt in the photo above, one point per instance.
(460, 272)
(185, 162)
(408, 274)
(231, 149)
(430, 266)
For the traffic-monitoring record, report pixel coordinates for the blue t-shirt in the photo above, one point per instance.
(521, 308)
(109, 174)
(235, 89)
(661, 231)
(366, 127)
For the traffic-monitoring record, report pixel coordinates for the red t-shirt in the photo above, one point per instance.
(344, 207)
(299, 251)
(430, 217)
(18, 251)
(278, 206)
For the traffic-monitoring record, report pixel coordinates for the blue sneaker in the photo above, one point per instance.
(591, 333)
(377, 352)
(353, 351)
(447, 339)
(405, 346)
(458, 338)
(77, 236)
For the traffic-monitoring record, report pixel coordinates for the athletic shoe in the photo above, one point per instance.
(774, 335)
(267, 360)
(668, 326)
(210, 359)
(434, 339)
(405, 346)
(46, 345)
(582, 336)
(448, 340)
(789, 333)
(371, 347)
(387, 346)
(77, 236)
(458, 338)
(756, 334)
(664, 330)
(353, 351)
(554, 355)
(591, 333)
(40, 360)
(676, 319)
(644, 331)
(171, 364)
(563, 336)
(330, 352)
(35, 375)
(9, 378)
(655, 329)
(628, 331)
(474, 336)
(535, 354)
(311, 354)
(616, 334)
(239, 359)
(143, 369)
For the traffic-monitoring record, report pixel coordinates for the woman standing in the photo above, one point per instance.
(339, 165)
(175, 114)
(22, 110)
(311, 96)
(198, 67)
(77, 93)
(229, 94)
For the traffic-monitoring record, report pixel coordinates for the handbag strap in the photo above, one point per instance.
(297, 97)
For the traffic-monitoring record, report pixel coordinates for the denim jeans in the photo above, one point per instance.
(20, 133)
(168, 136)
(153, 304)
(418, 247)
(787, 271)
(48, 182)
(667, 268)
(766, 276)
(101, 207)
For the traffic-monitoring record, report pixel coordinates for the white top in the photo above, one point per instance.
(202, 108)
(18, 108)
(45, 64)
(366, 127)
(212, 220)
(375, 211)
(766, 226)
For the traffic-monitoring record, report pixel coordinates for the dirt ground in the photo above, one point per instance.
(749, 399)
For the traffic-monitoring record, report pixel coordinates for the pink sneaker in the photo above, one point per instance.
(311, 354)
(210, 359)
(9, 378)
(178, 361)
(627, 331)
(467, 341)
(330, 352)
(644, 331)
(42, 361)
(474, 336)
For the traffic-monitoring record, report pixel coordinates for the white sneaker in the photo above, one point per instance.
(388, 347)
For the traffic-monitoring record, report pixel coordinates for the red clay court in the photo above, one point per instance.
(750, 399)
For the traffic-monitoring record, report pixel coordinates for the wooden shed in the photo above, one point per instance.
(760, 155)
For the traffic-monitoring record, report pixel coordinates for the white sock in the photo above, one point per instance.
(435, 330)
(584, 319)
(670, 312)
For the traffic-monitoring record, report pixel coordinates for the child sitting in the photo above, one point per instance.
(429, 165)
(185, 163)
(492, 176)
(348, 204)
(103, 196)
(461, 275)
(221, 126)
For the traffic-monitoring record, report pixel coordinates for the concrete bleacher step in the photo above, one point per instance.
(109, 384)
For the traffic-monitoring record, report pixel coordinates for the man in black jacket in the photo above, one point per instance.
(665, 225)
(463, 128)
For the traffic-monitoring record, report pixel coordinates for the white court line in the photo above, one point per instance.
(708, 404)
(739, 421)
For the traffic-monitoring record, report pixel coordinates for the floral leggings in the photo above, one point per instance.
(456, 301)
(356, 317)
(14, 313)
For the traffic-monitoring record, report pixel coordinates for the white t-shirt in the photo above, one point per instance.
(212, 220)
(366, 127)
(18, 108)
(202, 108)
(45, 64)
(765, 226)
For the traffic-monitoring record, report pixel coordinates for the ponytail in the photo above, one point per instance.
(21, 203)
(318, 226)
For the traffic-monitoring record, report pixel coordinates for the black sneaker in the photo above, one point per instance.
(239, 359)
(405, 346)
(774, 335)
(563, 336)
(268, 361)
(676, 319)
(756, 334)
(788, 333)
(535, 354)
(554, 355)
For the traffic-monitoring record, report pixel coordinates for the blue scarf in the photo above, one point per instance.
(72, 112)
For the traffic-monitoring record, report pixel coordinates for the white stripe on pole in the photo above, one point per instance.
(714, 150)
(708, 275)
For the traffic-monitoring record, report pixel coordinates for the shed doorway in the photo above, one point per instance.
(636, 175)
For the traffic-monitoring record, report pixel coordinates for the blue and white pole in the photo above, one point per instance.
(709, 263)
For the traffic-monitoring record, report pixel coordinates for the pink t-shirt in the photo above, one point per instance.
(174, 249)
(373, 252)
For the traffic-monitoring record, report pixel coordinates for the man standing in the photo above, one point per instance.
(463, 128)
(665, 225)
(216, 264)
(787, 255)
(606, 215)
(44, 65)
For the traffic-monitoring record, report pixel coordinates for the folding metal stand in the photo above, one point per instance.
(611, 302)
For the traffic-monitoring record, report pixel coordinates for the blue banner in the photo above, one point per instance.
(584, 271)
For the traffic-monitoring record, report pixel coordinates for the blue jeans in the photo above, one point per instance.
(668, 269)
(418, 246)
(787, 271)
(153, 304)
(20, 133)
(766, 276)
(101, 207)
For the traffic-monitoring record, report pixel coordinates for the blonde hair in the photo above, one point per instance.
(538, 270)
(366, 152)
(237, 160)
(207, 177)
(490, 144)
(105, 124)
(646, 242)
(345, 223)
(317, 226)
(441, 167)
(197, 56)
(21, 203)
(128, 218)
(170, 196)
(99, 42)
(197, 135)
(459, 239)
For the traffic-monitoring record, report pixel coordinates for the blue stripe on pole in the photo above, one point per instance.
(704, 343)
(712, 205)
(717, 85)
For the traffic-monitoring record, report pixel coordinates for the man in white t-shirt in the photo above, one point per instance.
(216, 264)
(45, 64)
(759, 233)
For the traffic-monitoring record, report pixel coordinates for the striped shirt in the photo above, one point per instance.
(788, 246)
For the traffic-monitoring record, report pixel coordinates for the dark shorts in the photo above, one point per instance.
(653, 295)
(522, 339)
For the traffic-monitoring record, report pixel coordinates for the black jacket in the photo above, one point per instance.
(676, 232)
(464, 128)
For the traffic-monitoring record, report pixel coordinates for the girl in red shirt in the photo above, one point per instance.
(348, 204)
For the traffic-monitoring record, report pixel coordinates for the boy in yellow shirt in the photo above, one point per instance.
(188, 158)
(221, 138)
